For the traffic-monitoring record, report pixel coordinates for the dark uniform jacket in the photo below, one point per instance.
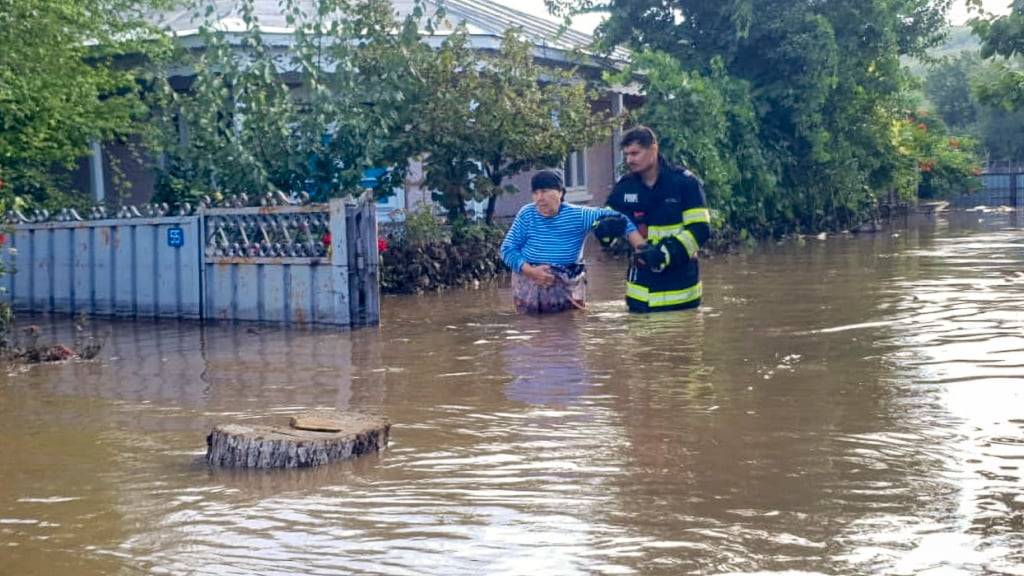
(672, 213)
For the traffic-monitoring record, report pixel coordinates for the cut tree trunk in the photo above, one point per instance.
(310, 439)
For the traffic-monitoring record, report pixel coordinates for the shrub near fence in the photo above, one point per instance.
(423, 254)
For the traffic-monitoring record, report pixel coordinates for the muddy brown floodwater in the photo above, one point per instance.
(849, 406)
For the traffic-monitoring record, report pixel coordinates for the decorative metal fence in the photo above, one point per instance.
(293, 264)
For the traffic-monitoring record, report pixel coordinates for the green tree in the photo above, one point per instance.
(999, 132)
(706, 122)
(313, 117)
(492, 116)
(818, 85)
(947, 164)
(1003, 41)
(948, 87)
(70, 72)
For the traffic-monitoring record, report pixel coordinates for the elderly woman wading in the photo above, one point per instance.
(544, 246)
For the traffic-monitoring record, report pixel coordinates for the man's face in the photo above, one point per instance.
(548, 201)
(640, 159)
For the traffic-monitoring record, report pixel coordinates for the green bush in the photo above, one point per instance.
(425, 254)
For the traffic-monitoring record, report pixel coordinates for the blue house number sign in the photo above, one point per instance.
(175, 237)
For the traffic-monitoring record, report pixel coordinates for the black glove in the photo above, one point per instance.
(655, 258)
(608, 228)
(675, 250)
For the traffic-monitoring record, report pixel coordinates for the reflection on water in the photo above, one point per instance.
(851, 406)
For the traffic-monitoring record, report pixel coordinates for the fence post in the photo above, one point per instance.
(1014, 189)
(340, 262)
(363, 261)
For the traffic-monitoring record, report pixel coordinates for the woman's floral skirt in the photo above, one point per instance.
(568, 292)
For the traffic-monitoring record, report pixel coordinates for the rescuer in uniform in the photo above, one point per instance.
(667, 205)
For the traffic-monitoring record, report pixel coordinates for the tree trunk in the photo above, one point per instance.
(311, 439)
(489, 214)
(496, 178)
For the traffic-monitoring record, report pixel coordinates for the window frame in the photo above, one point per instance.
(574, 167)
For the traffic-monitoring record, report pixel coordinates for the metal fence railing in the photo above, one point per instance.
(997, 189)
(292, 264)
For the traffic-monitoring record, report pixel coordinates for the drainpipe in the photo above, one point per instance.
(96, 186)
(617, 109)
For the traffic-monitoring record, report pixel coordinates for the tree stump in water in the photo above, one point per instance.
(311, 439)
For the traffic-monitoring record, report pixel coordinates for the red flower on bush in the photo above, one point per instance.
(3, 238)
(382, 244)
(326, 239)
(921, 126)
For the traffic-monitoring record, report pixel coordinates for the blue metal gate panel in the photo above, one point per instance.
(996, 190)
(297, 290)
(107, 267)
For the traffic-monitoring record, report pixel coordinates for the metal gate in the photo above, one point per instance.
(997, 189)
(299, 265)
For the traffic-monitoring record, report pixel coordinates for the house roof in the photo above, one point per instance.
(485, 20)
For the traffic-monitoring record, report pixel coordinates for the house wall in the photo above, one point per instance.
(508, 205)
(600, 178)
(601, 171)
(80, 178)
(601, 174)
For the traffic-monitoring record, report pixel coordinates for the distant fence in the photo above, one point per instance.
(311, 264)
(997, 189)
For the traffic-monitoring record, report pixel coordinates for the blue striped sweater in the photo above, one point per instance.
(558, 239)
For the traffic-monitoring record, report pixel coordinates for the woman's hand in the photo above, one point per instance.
(539, 274)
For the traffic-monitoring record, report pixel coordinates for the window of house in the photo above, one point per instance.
(575, 170)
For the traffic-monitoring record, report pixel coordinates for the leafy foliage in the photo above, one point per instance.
(357, 89)
(425, 255)
(947, 163)
(312, 117)
(70, 72)
(793, 110)
(948, 86)
(1003, 40)
(492, 116)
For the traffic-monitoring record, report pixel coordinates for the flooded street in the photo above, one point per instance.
(848, 406)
